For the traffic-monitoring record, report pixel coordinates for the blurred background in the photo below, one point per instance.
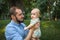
(50, 16)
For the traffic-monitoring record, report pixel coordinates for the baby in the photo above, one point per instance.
(35, 13)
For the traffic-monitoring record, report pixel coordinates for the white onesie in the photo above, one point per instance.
(37, 32)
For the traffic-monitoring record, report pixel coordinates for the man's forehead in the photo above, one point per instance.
(19, 10)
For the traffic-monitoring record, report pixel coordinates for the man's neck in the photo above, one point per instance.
(15, 21)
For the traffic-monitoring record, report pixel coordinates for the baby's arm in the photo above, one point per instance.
(28, 27)
(32, 23)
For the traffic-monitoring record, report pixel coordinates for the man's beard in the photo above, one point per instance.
(19, 21)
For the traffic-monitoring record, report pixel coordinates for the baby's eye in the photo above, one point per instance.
(33, 14)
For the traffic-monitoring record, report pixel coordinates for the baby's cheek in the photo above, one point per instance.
(34, 16)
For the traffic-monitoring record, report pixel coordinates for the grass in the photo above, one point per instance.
(50, 29)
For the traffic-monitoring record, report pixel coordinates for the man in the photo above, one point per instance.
(15, 29)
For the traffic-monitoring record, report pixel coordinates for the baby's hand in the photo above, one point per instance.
(25, 28)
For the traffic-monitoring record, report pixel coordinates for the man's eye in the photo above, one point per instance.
(21, 14)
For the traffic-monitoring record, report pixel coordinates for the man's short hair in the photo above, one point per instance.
(12, 11)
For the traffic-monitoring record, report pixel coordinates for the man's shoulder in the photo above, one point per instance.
(9, 25)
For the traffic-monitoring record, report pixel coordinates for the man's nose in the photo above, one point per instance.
(22, 15)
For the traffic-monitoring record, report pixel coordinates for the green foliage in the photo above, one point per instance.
(50, 30)
(4, 5)
(4, 8)
(57, 10)
(53, 10)
(45, 6)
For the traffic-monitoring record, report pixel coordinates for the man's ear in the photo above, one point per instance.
(12, 16)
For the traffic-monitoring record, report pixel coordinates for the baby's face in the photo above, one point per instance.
(34, 14)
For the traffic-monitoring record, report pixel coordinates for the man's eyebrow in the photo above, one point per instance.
(20, 13)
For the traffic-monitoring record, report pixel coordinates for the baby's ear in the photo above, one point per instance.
(39, 15)
(38, 23)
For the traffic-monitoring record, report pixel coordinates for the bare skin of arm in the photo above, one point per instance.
(31, 32)
(28, 27)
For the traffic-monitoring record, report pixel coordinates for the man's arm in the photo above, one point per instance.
(12, 34)
(29, 35)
